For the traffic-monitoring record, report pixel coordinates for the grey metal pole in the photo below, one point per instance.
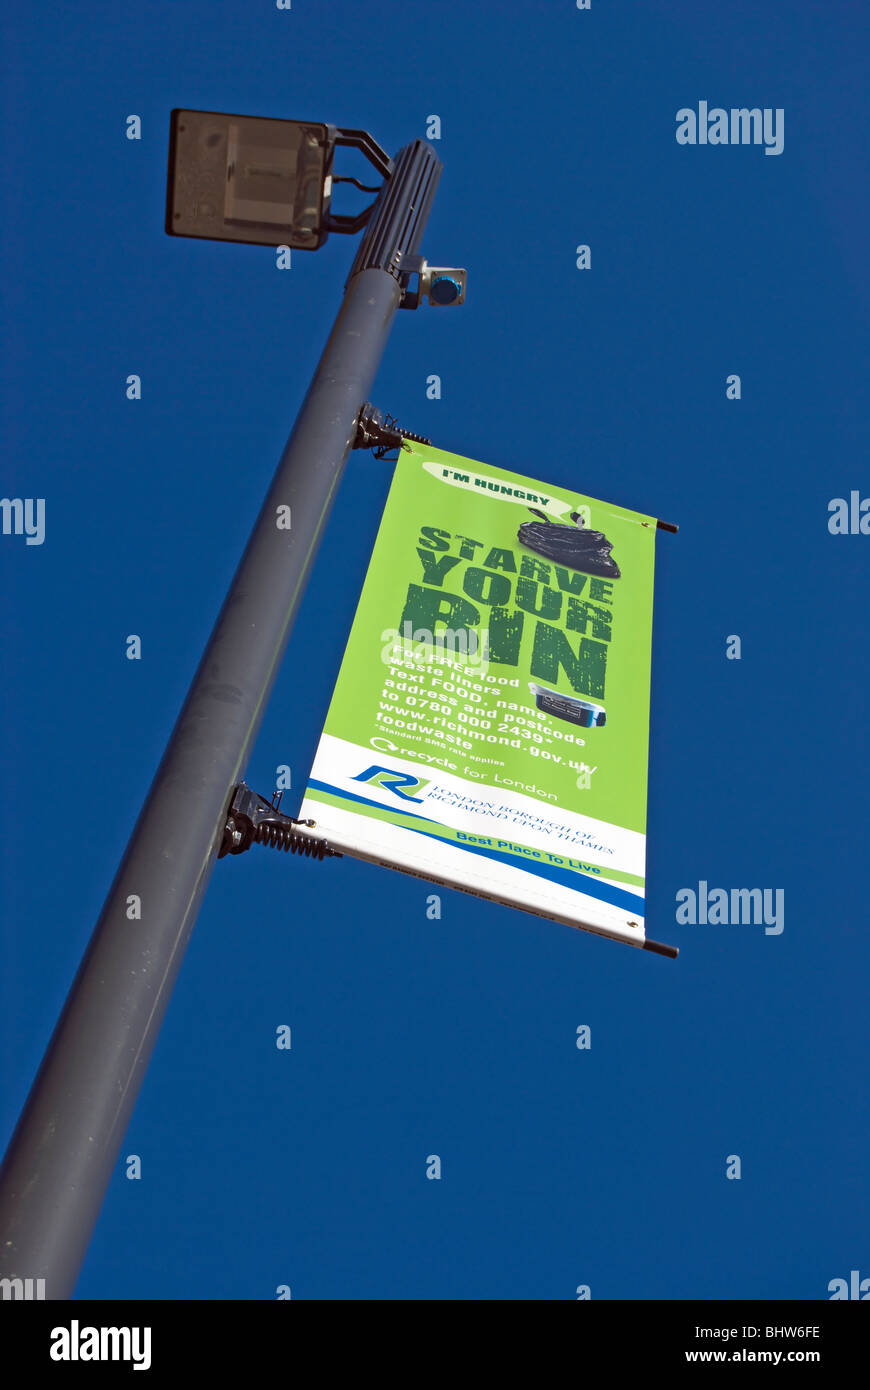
(61, 1156)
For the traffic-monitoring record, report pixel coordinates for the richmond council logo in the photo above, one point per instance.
(401, 784)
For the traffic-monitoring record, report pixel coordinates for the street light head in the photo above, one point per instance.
(249, 178)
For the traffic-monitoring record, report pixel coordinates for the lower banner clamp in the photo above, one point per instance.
(251, 819)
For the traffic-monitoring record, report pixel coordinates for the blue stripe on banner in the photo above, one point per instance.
(568, 878)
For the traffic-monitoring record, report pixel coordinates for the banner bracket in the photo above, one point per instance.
(384, 435)
(251, 819)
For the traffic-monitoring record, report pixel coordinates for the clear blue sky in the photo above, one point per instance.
(456, 1037)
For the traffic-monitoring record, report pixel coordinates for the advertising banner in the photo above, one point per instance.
(490, 725)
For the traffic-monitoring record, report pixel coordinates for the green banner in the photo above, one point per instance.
(490, 725)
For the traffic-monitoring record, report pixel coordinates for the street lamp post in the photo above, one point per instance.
(62, 1154)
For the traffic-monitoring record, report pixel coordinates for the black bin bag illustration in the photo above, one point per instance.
(575, 547)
